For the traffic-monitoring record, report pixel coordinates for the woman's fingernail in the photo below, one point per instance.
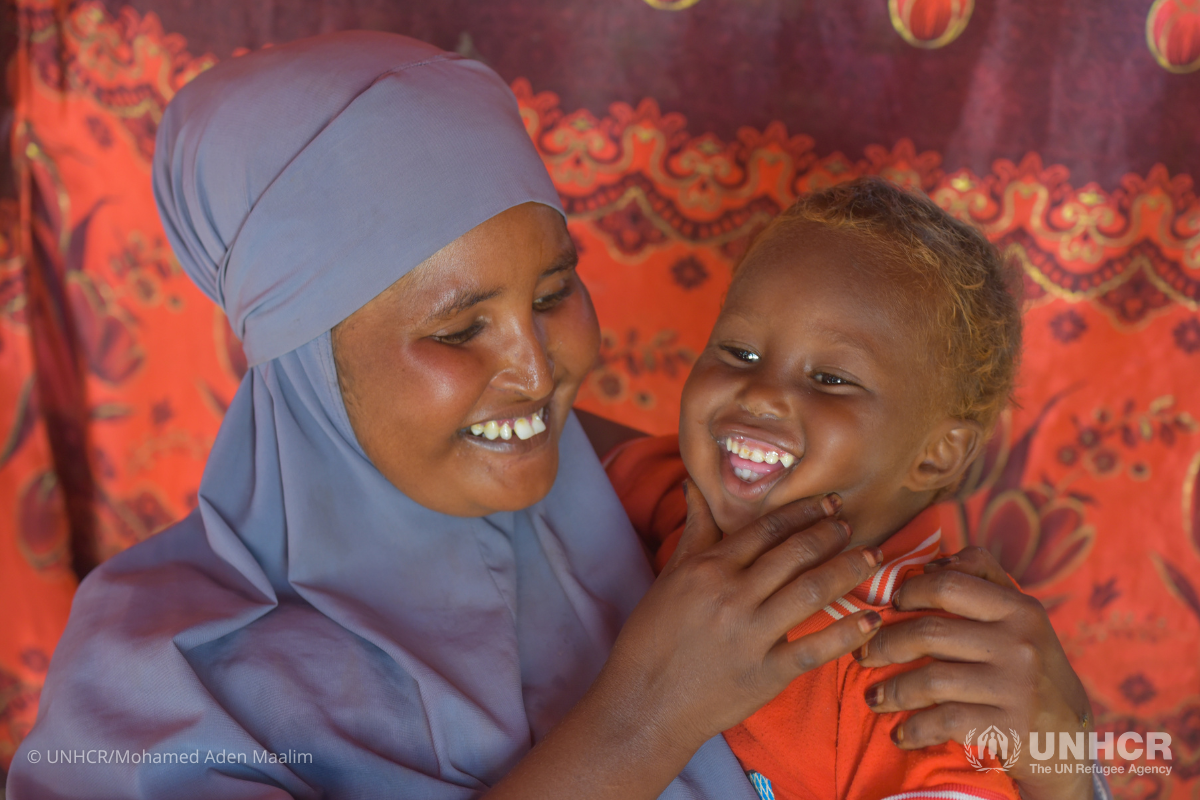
(874, 556)
(874, 695)
(845, 526)
(870, 621)
(896, 601)
(832, 503)
(860, 655)
(944, 562)
(898, 734)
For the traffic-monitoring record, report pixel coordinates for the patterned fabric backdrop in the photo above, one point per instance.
(1068, 135)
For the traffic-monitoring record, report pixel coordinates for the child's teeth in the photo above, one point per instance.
(758, 456)
(748, 475)
(491, 429)
(536, 422)
(522, 428)
(477, 429)
(505, 431)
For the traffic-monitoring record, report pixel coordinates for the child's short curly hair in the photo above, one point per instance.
(972, 295)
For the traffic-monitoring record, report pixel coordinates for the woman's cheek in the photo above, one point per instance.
(575, 332)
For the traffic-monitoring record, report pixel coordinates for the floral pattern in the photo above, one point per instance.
(1087, 492)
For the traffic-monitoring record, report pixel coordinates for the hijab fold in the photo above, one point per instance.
(308, 630)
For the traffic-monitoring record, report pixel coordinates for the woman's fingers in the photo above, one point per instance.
(789, 659)
(700, 532)
(747, 544)
(961, 594)
(937, 682)
(948, 722)
(815, 589)
(974, 561)
(799, 552)
(943, 638)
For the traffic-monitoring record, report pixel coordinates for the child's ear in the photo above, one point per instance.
(948, 451)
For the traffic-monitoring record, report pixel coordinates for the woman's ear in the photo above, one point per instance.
(949, 450)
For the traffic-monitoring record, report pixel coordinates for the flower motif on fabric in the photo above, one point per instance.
(689, 272)
(1068, 326)
(1187, 335)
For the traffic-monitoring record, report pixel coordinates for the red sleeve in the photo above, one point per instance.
(648, 475)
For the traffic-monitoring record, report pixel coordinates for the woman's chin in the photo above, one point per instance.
(516, 486)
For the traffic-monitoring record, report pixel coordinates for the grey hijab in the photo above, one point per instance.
(308, 631)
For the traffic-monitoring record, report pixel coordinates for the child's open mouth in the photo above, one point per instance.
(755, 463)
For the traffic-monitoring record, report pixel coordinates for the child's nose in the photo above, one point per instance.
(765, 401)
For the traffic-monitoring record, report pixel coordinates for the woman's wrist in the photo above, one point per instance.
(616, 744)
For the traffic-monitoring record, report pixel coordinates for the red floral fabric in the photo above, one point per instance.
(115, 370)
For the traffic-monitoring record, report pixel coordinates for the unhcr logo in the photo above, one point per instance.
(995, 744)
(1077, 753)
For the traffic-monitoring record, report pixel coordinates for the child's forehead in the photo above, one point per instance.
(805, 260)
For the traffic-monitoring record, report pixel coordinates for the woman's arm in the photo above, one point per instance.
(703, 650)
(1002, 665)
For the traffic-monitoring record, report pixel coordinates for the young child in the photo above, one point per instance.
(866, 346)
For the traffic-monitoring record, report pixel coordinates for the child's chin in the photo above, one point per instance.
(732, 517)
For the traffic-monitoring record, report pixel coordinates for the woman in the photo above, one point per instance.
(376, 597)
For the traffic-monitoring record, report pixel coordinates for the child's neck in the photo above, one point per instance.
(880, 527)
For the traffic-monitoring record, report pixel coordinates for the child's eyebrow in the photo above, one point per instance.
(851, 341)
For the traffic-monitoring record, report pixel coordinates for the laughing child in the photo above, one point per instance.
(866, 346)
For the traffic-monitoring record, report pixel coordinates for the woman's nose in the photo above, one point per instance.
(527, 367)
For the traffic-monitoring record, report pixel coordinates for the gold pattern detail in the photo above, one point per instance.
(1159, 44)
(900, 12)
(671, 5)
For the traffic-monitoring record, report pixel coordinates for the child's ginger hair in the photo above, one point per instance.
(971, 292)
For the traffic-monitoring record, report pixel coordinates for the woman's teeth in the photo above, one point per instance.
(758, 456)
(523, 427)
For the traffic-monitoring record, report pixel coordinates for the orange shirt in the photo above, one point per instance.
(817, 740)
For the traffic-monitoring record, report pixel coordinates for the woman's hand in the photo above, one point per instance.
(704, 649)
(1002, 665)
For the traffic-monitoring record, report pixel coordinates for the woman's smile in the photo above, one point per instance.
(511, 434)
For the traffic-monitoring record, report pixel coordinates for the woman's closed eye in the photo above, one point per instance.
(549, 301)
(460, 337)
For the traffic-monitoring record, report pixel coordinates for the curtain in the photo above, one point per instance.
(674, 129)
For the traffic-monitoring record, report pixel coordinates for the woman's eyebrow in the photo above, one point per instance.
(566, 260)
(458, 302)
(466, 297)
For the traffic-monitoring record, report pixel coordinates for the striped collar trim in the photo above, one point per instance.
(914, 545)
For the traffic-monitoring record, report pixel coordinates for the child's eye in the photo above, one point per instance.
(826, 379)
(741, 354)
(460, 337)
(547, 302)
